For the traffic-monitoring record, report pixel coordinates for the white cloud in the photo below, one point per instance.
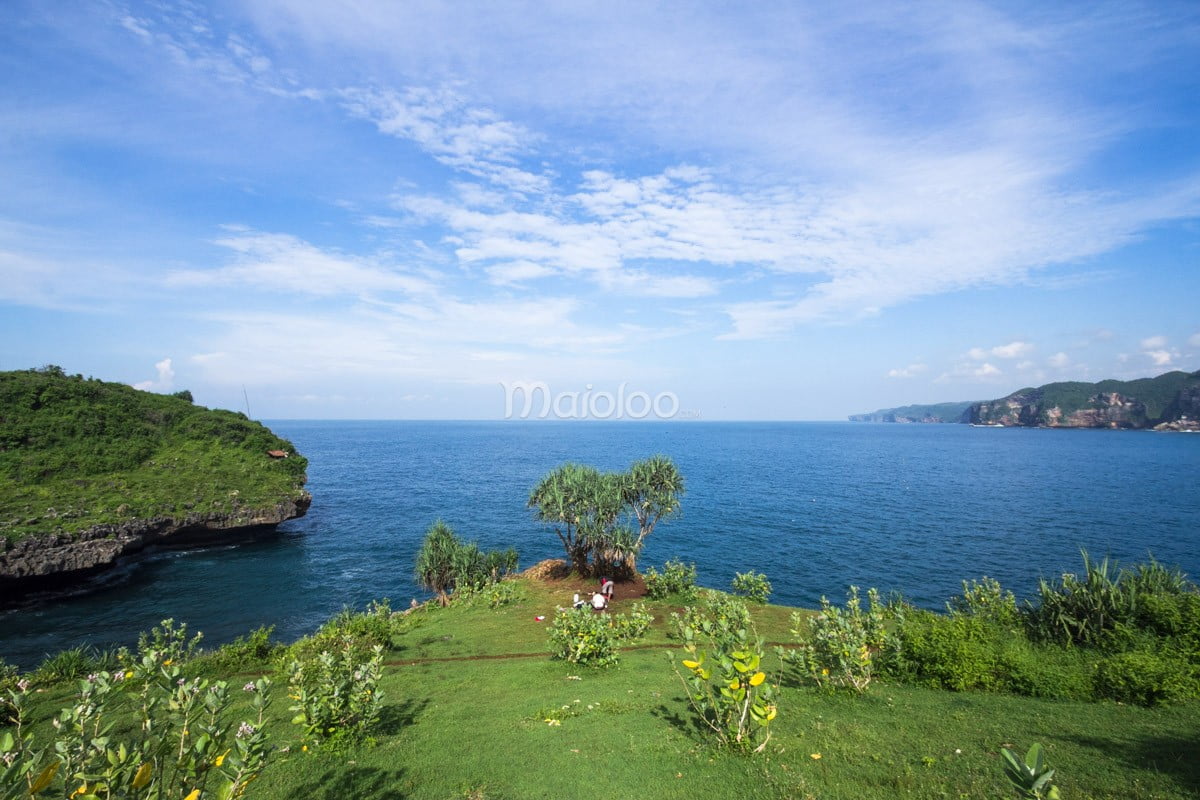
(1161, 358)
(987, 371)
(1154, 343)
(282, 263)
(1059, 360)
(1194, 340)
(165, 380)
(911, 371)
(1012, 350)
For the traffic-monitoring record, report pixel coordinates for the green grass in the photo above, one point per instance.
(468, 689)
(75, 453)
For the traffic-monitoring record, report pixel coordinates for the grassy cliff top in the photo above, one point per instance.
(78, 452)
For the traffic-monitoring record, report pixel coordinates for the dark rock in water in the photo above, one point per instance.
(60, 559)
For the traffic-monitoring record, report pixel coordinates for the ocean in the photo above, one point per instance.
(913, 509)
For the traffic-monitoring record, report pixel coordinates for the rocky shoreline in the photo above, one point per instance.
(54, 560)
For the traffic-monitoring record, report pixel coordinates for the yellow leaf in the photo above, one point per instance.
(758, 678)
(221, 758)
(691, 664)
(815, 756)
(83, 789)
(193, 794)
(44, 779)
(143, 775)
(771, 712)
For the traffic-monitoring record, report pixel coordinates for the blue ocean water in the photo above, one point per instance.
(816, 506)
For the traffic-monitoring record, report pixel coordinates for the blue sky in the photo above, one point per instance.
(771, 210)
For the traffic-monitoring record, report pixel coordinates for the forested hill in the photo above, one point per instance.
(78, 453)
(1170, 401)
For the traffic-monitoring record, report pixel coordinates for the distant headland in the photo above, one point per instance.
(1169, 402)
(93, 472)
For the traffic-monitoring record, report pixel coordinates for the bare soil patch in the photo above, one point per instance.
(555, 574)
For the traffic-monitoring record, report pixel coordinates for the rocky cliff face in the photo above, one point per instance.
(1112, 409)
(56, 558)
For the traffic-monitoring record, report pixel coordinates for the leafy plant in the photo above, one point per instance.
(185, 740)
(1081, 611)
(445, 564)
(753, 585)
(633, 624)
(987, 600)
(336, 694)
(677, 578)
(839, 645)
(718, 619)
(728, 690)
(1030, 777)
(1146, 678)
(581, 636)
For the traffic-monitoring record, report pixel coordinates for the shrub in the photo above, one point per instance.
(753, 585)
(378, 624)
(444, 564)
(633, 624)
(336, 693)
(946, 652)
(676, 578)
(718, 619)
(987, 600)
(252, 651)
(1145, 678)
(90, 760)
(840, 645)
(73, 664)
(1077, 610)
(581, 636)
(726, 688)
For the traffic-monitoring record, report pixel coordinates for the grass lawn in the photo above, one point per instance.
(476, 727)
(469, 690)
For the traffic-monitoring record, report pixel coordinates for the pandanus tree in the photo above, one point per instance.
(585, 507)
(438, 561)
(651, 490)
(581, 504)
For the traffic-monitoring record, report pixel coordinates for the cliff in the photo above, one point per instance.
(92, 473)
(1170, 401)
(933, 413)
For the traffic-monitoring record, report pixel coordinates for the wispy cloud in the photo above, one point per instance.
(282, 263)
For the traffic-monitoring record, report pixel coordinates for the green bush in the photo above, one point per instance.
(986, 599)
(726, 686)
(1081, 611)
(840, 646)
(336, 692)
(677, 579)
(1145, 678)
(633, 624)
(947, 652)
(73, 664)
(752, 585)
(581, 636)
(718, 620)
(255, 650)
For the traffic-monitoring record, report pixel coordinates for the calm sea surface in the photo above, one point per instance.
(816, 506)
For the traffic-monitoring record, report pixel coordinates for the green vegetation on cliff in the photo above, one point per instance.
(1140, 403)
(78, 452)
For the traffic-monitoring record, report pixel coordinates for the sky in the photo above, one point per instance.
(772, 210)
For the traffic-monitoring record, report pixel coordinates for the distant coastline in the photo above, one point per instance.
(1169, 402)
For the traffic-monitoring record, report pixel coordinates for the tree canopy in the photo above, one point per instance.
(603, 518)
